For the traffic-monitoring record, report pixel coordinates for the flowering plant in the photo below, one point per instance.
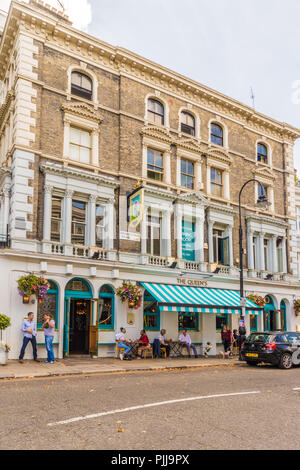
(131, 293)
(257, 299)
(4, 347)
(4, 323)
(30, 284)
(297, 305)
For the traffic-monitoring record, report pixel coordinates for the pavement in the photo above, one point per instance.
(78, 366)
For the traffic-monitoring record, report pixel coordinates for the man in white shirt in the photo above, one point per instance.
(163, 343)
(186, 342)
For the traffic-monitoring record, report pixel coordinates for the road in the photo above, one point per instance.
(188, 410)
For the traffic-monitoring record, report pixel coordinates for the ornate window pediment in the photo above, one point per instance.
(264, 173)
(219, 155)
(82, 110)
(157, 133)
(193, 197)
(189, 144)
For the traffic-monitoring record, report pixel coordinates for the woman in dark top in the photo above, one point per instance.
(226, 336)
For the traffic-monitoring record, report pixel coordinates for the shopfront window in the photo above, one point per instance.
(106, 308)
(188, 321)
(221, 320)
(151, 313)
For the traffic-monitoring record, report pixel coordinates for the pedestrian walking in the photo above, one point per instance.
(226, 336)
(242, 337)
(48, 327)
(29, 332)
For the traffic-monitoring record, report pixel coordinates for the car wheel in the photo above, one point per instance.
(286, 361)
(252, 363)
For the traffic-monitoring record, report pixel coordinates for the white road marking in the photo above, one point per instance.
(149, 405)
(295, 389)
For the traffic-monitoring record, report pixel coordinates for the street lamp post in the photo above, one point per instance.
(262, 202)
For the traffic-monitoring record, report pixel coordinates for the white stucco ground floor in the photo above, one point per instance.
(82, 298)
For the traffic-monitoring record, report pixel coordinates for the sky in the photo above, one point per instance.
(228, 45)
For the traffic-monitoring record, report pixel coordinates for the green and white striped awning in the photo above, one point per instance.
(173, 298)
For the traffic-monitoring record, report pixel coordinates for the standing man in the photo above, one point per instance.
(48, 327)
(186, 342)
(29, 331)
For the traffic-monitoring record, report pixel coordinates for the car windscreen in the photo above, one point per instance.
(259, 337)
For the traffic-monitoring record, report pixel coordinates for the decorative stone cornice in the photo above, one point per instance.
(263, 219)
(155, 132)
(82, 110)
(222, 209)
(218, 154)
(161, 193)
(69, 172)
(189, 144)
(194, 198)
(45, 26)
(265, 173)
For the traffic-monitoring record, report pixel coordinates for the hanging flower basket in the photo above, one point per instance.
(31, 284)
(130, 293)
(257, 299)
(297, 307)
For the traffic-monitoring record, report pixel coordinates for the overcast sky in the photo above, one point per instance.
(229, 45)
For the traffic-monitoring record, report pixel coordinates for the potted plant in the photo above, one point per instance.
(31, 285)
(4, 348)
(297, 307)
(130, 293)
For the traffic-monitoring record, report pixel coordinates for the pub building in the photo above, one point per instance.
(114, 168)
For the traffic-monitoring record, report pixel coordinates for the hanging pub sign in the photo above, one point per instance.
(136, 207)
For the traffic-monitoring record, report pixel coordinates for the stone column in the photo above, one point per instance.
(47, 212)
(144, 232)
(166, 233)
(167, 167)
(229, 231)
(109, 225)
(145, 161)
(226, 185)
(198, 176)
(199, 240)
(67, 216)
(91, 222)
(208, 170)
(261, 238)
(5, 211)
(210, 242)
(178, 231)
(250, 250)
(67, 135)
(274, 254)
(284, 255)
(95, 148)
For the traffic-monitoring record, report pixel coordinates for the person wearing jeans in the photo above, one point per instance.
(186, 342)
(120, 339)
(48, 327)
(29, 331)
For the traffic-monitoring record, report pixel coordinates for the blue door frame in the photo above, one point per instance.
(73, 295)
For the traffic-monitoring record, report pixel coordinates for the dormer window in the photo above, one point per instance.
(216, 134)
(82, 85)
(187, 123)
(156, 112)
(262, 153)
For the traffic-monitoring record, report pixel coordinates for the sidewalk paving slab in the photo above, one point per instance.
(72, 367)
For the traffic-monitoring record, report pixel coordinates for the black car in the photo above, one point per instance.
(278, 348)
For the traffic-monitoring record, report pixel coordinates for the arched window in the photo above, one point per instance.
(82, 85)
(188, 123)
(216, 134)
(262, 153)
(49, 305)
(106, 308)
(156, 112)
